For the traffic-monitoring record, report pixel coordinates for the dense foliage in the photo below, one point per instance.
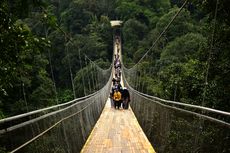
(40, 40)
(189, 62)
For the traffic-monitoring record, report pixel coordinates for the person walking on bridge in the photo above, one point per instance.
(117, 98)
(125, 98)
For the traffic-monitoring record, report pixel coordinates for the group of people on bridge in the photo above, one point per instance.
(119, 95)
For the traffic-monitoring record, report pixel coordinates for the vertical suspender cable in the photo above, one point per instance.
(136, 77)
(82, 75)
(94, 68)
(175, 91)
(97, 80)
(70, 70)
(24, 95)
(92, 73)
(51, 69)
(209, 55)
(52, 75)
(142, 82)
(23, 85)
(87, 68)
(139, 78)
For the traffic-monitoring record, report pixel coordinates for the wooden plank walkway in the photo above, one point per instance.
(117, 131)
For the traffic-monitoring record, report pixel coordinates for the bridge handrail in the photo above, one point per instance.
(51, 127)
(187, 105)
(184, 110)
(179, 103)
(48, 114)
(176, 108)
(55, 112)
(44, 109)
(79, 100)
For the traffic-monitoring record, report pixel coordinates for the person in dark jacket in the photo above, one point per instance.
(125, 98)
(114, 81)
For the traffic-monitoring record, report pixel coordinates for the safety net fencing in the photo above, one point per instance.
(178, 127)
(91, 78)
(60, 129)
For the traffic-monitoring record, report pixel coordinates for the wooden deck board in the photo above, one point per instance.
(117, 131)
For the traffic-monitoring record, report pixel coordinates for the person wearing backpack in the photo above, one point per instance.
(117, 98)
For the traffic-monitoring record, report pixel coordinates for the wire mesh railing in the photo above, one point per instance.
(14, 120)
(60, 128)
(176, 127)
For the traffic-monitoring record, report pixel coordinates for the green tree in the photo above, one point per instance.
(22, 63)
(133, 32)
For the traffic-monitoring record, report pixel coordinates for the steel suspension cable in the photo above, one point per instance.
(70, 70)
(165, 29)
(209, 55)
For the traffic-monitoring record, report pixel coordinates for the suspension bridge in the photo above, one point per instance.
(89, 124)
